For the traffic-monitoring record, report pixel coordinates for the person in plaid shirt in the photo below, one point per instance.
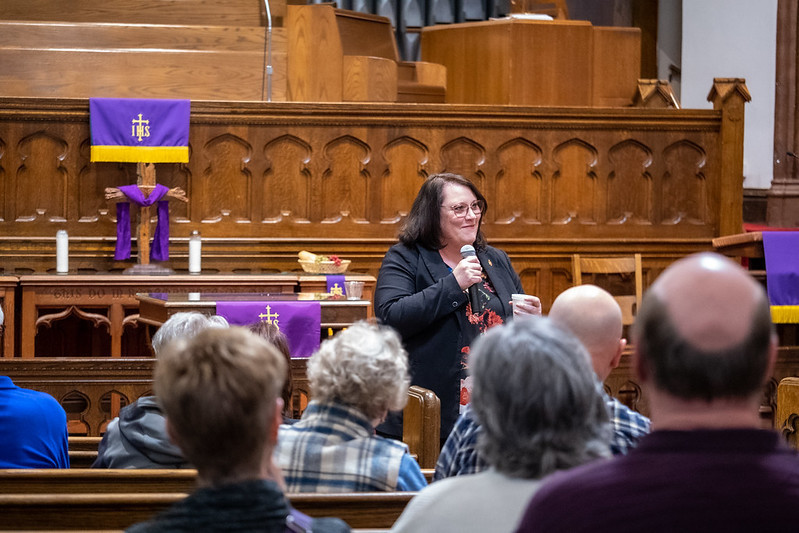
(356, 378)
(592, 315)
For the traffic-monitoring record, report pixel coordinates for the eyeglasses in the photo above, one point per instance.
(460, 210)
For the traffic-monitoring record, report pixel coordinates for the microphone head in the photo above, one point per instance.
(467, 250)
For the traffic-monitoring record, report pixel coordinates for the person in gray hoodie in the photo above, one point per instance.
(138, 437)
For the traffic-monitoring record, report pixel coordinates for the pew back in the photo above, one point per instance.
(83, 511)
(96, 481)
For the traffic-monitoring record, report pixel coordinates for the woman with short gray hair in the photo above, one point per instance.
(538, 402)
(355, 378)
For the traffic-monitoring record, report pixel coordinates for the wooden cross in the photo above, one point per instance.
(145, 180)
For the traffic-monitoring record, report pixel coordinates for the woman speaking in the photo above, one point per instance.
(441, 286)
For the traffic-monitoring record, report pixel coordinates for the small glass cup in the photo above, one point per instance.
(354, 289)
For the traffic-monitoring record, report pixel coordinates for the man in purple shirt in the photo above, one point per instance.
(704, 346)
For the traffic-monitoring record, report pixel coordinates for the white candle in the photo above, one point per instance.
(61, 251)
(195, 253)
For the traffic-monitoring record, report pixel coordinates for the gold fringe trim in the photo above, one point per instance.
(785, 314)
(140, 154)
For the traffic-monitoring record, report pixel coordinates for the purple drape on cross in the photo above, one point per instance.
(160, 248)
(300, 322)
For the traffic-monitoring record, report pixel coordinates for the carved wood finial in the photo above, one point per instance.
(655, 94)
(724, 88)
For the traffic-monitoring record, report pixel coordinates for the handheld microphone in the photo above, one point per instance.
(467, 250)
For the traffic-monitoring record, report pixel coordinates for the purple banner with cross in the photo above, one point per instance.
(781, 249)
(300, 322)
(139, 130)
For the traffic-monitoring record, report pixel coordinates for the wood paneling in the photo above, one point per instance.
(134, 61)
(265, 180)
(200, 12)
(533, 62)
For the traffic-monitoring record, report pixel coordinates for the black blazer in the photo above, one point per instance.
(418, 295)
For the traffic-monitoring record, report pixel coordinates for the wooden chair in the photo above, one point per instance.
(786, 420)
(421, 427)
(629, 265)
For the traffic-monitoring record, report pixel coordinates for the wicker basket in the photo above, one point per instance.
(324, 267)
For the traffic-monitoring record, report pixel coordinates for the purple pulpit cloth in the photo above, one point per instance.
(300, 322)
(335, 285)
(781, 249)
(160, 248)
(136, 130)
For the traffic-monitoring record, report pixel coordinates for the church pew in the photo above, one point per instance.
(104, 480)
(78, 512)
(82, 451)
(96, 481)
(85, 386)
(786, 420)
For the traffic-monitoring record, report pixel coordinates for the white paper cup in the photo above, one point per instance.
(517, 299)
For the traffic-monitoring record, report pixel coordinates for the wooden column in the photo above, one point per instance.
(782, 208)
(729, 96)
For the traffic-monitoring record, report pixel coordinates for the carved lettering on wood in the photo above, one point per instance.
(345, 182)
(287, 180)
(519, 184)
(574, 184)
(685, 194)
(407, 161)
(224, 190)
(629, 197)
(42, 179)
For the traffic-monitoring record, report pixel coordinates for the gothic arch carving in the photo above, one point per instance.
(287, 180)
(574, 183)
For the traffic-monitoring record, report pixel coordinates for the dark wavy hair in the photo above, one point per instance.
(423, 224)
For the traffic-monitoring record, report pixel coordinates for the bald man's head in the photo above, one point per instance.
(594, 316)
(704, 330)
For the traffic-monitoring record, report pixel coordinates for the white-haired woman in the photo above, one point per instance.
(355, 378)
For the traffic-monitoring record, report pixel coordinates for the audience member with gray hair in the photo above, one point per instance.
(538, 402)
(355, 378)
(137, 438)
(221, 395)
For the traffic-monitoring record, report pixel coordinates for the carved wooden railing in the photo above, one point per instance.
(269, 179)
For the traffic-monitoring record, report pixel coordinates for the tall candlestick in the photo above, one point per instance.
(61, 252)
(195, 253)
